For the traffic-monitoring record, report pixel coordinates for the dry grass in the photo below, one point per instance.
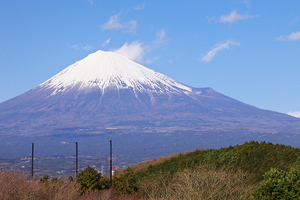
(14, 185)
(201, 183)
(17, 186)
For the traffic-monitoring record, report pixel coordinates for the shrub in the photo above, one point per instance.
(125, 183)
(278, 184)
(89, 179)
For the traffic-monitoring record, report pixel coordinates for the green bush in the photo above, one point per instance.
(278, 184)
(125, 183)
(89, 179)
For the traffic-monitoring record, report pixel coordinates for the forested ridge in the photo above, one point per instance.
(253, 157)
(248, 163)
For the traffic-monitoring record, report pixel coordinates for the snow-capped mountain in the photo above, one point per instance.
(106, 91)
(104, 70)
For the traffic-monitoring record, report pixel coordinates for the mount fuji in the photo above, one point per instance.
(108, 94)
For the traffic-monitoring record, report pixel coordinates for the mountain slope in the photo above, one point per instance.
(106, 91)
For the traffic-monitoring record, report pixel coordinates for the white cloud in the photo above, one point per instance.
(295, 114)
(134, 51)
(234, 16)
(291, 37)
(294, 36)
(218, 47)
(87, 47)
(106, 42)
(114, 23)
(161, 38)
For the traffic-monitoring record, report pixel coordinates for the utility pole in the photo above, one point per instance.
(76, 160)
(110, 163)
(32, 158)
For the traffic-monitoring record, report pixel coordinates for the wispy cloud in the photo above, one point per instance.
(137, 50)
(87, 47)
(140, 6)
(291, 37)
(114, 23)
(295, 114)
(247, 3)
(131, 26)
(75, 46)
(218, 47)
(161, 38)
(134, 51)
(106, 42)
(234, 17)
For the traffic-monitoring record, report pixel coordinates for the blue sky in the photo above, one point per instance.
(246, 49)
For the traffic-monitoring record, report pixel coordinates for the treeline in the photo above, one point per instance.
(254, 170)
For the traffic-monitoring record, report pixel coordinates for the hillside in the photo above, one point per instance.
(243, 165)
(253, 157)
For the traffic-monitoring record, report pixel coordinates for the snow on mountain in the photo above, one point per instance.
(108, 69)
(294, 114)
(107, 90)
(106, 95)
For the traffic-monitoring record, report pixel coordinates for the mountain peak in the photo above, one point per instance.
(106, 93)
(109, 69)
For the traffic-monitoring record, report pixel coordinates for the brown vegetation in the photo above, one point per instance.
(17, 186)
(200, 183)
(14, 185)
